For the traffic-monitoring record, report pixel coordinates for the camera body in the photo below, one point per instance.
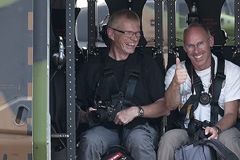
(105, 112)
(198, 127)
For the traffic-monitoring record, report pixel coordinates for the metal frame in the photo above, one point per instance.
(237, 23)
(41, 51)
(70, 79)
(92, 25)
(158, 24)
(171, 10)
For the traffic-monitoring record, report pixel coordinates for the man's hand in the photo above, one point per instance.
(180, 73)
(125, 116)
(212, 131)
(84, 115)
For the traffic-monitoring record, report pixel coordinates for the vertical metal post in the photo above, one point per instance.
(92, 25)
(237, 23)
(70, 79)
(158, 54)
(41, 52)
(171, 8)
(158, 24)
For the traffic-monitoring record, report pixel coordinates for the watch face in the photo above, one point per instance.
(205, 98)
(141, 111)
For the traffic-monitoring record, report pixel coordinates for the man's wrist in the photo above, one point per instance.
(217, 128)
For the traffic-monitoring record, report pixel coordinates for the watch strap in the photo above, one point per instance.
(218, 129)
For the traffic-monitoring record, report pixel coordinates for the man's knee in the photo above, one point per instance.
(229, 136)
(139, 139)
(175, 135)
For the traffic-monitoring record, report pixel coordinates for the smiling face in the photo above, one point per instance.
(123, 45)
(197, 45)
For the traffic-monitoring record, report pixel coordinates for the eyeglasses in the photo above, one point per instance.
(200, 45)
(128, 34)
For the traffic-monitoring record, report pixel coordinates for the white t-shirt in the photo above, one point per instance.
(230, 91)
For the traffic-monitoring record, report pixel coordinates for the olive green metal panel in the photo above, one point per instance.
(40, 140)
(41, 118)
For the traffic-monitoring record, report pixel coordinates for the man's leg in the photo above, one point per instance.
(171, 141)
(141, 141)
(95, 142)
(231, 139)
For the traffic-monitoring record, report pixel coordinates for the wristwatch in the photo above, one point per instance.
(218, 129)
(140, 111)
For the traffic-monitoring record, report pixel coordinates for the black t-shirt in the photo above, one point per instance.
(149, 87)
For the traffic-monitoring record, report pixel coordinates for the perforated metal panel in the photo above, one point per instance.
(70, 78)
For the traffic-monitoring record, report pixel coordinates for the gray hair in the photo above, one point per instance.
(114, 19)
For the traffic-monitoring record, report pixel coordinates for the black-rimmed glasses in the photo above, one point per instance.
(128, 34)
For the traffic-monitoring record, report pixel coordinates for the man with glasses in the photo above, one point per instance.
(120, 77)
(182, 84)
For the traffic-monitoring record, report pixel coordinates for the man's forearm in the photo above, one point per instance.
(156, 109)
(172, 96)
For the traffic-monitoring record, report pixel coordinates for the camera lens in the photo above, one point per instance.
(94, 118)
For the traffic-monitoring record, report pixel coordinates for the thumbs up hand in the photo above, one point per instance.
(180, 73)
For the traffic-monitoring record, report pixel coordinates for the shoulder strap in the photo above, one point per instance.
(193, 99)
(221, 149)
(110, 79)
(132, 71)
(129, 81)
(217, 86)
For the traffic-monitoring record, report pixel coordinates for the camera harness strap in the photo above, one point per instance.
(219, 82)
(197, 88)
(129, 81)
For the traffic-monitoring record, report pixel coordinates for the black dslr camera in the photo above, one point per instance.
(197, 127)
(105, 112)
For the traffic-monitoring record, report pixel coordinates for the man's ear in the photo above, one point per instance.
(110, 33)
(211, 40)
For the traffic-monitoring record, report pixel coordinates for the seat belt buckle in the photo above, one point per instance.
(135, 74)
(221, 75)
(107, 72)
